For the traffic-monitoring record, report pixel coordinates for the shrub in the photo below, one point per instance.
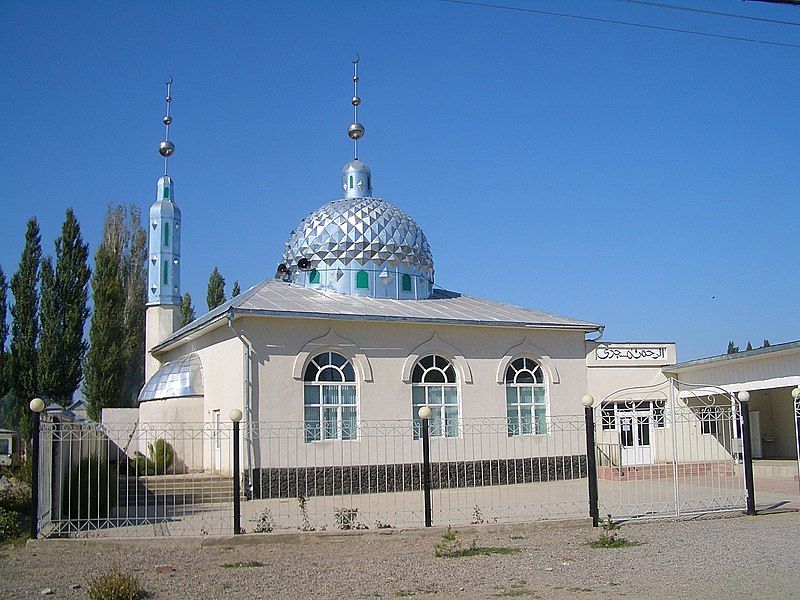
(16, 499)
(115, 585)
(90, 492)
(10, 526)
(264, 522)
(608, 536)
(162, 457)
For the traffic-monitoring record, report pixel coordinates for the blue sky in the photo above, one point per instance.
(642, 179)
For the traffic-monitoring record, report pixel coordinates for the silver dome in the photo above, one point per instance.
(180, 378)
(361, 234)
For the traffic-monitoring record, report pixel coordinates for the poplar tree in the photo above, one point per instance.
(64, 311)
(216, 290)
(187, 310)
(236, 289)
(104, 370)
(25, 329)
(117, 372)
(4, 371)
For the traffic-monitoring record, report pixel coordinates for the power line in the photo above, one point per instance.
(616, 22)
(707, 12)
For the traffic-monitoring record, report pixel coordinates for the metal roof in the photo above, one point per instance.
(177, 379)
(726, 358)
(275, 298)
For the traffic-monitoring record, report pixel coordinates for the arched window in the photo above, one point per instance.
(166, 193)
(362, 280)
(526, 398)
(329, 398)
(434, 384)
(406, 282)
(313, 276)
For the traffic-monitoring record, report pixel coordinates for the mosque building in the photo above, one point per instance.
(351, 329)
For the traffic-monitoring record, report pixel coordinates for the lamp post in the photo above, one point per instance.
(796, 403)
(591, 462)
(747, 452)
(236, 417)
(37, 406)
(425, 414)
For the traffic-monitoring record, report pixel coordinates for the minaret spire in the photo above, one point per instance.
(167, 148)
(356, 129)
(356, 176)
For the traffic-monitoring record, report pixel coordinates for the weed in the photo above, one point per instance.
(405, 593)
(115, 585)
(477, 516)
(301, 502)
(579, 589)
(225, 585)
(382, 525)
(451, 546)
(346, 518)
(243, 565)
(608, 537)
(264, 523)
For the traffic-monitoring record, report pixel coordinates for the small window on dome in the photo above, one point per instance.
(166, 193)
(313, 276)
(406, 283)
(351, 182)
(166, 234)
(362, 280)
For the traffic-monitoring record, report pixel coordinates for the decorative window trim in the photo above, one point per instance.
(609, 409)
(528, 349)
(332, 342)
(436, 345)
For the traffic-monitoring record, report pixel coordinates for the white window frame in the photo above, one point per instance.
(432, 393)
(709, 425)
(538, 425)
(609, 420)
(335, 427)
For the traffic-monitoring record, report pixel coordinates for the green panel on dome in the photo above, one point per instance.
(406, 283)
(362, 280)
(313, 276)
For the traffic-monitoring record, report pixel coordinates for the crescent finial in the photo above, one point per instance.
(357, 58)
(169, 80)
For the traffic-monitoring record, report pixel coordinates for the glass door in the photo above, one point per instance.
(634, 437)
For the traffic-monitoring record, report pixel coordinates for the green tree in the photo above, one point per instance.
(104, 369)
(134, 285)
(236, 289)
(765, 344)
(749, 346)
(187, 310)
(25, 329)
(64, 310)
(732, 349)
(4, 373)
(216, 289)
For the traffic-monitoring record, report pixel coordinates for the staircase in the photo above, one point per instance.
(667, 471)
(176, 490)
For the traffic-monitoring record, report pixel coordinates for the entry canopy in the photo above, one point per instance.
(181, 378)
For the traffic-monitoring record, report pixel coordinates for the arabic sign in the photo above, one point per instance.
(631, 353)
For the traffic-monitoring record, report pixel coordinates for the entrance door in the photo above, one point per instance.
(634, 437)
(216, 439)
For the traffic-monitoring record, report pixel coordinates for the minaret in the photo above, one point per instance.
(164, 269)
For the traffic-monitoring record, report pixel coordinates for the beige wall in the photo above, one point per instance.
(161, 321)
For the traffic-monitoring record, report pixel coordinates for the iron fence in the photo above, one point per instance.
(659, 451)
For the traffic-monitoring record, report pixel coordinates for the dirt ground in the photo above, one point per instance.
(721, 557)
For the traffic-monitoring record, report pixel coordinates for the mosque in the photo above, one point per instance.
(351, 329)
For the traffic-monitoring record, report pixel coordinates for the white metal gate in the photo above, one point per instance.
(669, 449)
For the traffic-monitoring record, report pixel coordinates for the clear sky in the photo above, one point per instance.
(643, 179)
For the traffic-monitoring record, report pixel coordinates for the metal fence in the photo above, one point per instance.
(660, 451)
(669, 449)
(136, 480)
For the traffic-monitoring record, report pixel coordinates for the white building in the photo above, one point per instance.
(352, 330)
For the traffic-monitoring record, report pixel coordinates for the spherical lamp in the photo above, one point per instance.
(37, 405)
(424, 413)
(236, 415)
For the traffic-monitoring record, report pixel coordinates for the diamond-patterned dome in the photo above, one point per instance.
(359, 231)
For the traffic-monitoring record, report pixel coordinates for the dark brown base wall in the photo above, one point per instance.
(291, 482)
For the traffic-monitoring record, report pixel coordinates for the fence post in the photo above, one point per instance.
(236, 417)
(37, 406)
(796, 404)
(425, 414)
(747, 453)
(591, 462)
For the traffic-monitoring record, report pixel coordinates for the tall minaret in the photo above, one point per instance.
(164, 281)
